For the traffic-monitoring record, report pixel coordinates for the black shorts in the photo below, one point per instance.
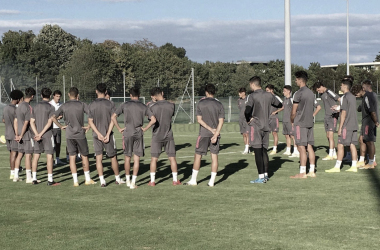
(204, 143)
(258, 138)
(133, 145)
(12, 145)
(274, 124)
(57, 135)
(369, 133)
(304, 136)
(156, 148)
(74, 145)
(45, 145)
(110, 146)
(287, 128)
(348, 137)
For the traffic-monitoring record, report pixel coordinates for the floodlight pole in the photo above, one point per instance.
(288, 62)
(192, 87)
(36, 89)
(348, 40)
(124, 85)
(64, 89)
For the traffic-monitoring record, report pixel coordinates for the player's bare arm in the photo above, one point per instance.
(218, 129)
(116, 123)
(342, 119)
(54, 119)
(374, 118)
(92, 125)
(110, 127)
(294, 112)
(203, 124)
(317, 110)
(34, 129)
(24, 128)
(47, 126)
(150, 124)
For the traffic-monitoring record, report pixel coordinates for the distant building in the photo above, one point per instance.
(367, 66)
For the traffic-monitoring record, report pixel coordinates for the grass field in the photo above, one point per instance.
(332, 211)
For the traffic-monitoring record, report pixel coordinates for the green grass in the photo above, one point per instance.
(332, 211)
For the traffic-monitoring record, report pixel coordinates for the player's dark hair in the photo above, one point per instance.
(302, 74)
(241, 90)
(256, 80)
(135, 92)
(57, 92)
(270, 86)
(155, 91)
(367, 82)
(348, 83)
(74, 92)
(356, 89)
(317, 85)
(29, 92)
(16, 94)
(210, 88)
(45, 92)
(349, 77)
(288, 87)
(101, 88)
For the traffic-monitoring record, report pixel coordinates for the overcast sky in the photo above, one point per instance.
(214, 30)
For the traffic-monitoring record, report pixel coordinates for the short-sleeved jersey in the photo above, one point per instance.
(288, 105)
(134, 114)
(306, 103)
(273, 108)
(369, 105)
(9, 115)
(101, 110)
(348, 104)
(329, 99)
(163, 111)
(211, 110)
(24, 113)
(241, 105)
(73, 113)
(41, 113)
(56, 107)
(260, 103)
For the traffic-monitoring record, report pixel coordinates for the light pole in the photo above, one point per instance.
(348, 40)
(288, 62)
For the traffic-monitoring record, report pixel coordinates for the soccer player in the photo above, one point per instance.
(303, 119)
(210, 116)
(348, 157)
(273, 119)
(133, 136)
(57, 134)
(73, 113)
(257, 113)
(287, 128)
(99, 119)
(331, 116)
(244, 129)
(370, 122)
(41, 124)
(9, 117)
(24, 135)
(162, 135)
(348, 127)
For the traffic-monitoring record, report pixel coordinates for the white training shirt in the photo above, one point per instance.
(56, 106)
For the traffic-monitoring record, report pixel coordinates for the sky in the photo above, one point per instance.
(213, 30)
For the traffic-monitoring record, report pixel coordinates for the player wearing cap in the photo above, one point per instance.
(41, 124)
(348, 127)
(210, 116)
(9, 117)
(243, 125)
(257, 113)
(162, 135)
(273, 119)
(73, 113)
(24, 135)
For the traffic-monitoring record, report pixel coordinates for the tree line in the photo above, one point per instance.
(54, 53)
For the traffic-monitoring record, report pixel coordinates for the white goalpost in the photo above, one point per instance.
(186, 93)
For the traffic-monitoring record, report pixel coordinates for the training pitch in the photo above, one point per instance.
(332, 211)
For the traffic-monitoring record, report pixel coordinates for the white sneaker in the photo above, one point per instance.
(189, 183)
(121, 181)
(58, 162)
(128, 182)
(17, 179)
(132, 186)
(294, 155)
(287, 153)
(244, 152)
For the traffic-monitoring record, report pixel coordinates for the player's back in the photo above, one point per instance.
(23, 113)
(211, 111)
(42, 112)
(73, 112)
(134, 114)
(305, 99)
(9, 115)
(163, 111)
(101, 110)
(262, 104)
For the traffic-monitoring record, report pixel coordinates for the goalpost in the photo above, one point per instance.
(186, 94)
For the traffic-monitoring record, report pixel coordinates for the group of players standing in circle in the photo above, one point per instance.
(32, 131)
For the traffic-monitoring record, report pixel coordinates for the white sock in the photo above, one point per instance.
(334, 151)
(87, 175)
(12, 172)
(295, 151)
(75, 177)
(374, 158)
(117, 178)
(134, 177)
(16, 172)
(28, 174)
(212, 179)
(194, 176)
(102, 181)
(361, 158)
(50, 177)
(152, 177)
(175, 176)
(370, 162)
(128, 178)
(288, 149)
(246, 148)
(34, 176)
(261, 176)
(312, 168)
(331, 152)
(302, 169)
(353, 164)
(337, 164)
(274, 148)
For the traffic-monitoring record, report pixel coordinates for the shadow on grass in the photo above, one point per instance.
(276, 163)
(374, 178)
(227, 145)
(230, 169)
(181, 146)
